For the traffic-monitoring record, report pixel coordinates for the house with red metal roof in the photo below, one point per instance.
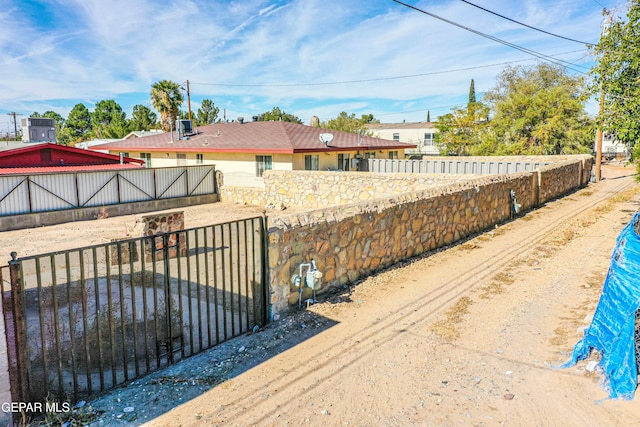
(31, 158)
(242, 151)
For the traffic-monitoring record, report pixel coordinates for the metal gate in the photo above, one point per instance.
(85, 320)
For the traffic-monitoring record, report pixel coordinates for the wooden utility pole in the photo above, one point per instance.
(189, 99)
(599, 140)
(15, 123)
(605, 29)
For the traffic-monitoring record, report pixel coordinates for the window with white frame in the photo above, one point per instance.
(147, 159)
(370, 155)
(393, 154)
(199, 158)
(396, 137)
(428, 138)
(263, 163)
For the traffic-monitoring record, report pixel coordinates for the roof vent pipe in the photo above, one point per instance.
(241, 120)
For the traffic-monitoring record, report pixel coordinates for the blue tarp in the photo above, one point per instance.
(612, 330)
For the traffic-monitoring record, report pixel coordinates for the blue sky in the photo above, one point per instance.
(308, 57)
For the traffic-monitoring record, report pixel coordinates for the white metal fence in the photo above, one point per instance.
(51, 192)
(453, 166)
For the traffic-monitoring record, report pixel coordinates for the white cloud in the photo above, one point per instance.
(106, 49)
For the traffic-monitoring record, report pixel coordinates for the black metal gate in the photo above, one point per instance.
(86, 320)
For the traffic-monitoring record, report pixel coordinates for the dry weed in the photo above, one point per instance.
(560, 337)
(446, 328)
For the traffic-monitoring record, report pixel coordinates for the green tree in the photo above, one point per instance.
(108, 120)
(539, 110)
(55, 116)
(207, 113)
(59, 121)
(350, 123)
(617, 74)
(167, 97)
(77, 126)
(142, 118)
(276, 114)
(463, 132)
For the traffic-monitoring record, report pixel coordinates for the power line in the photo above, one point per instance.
(524, 25)
(377, 79)
(496, 39)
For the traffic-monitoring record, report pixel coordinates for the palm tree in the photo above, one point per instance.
(166, 97)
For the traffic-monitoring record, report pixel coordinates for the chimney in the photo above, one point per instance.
(315, 121)
(241, 120)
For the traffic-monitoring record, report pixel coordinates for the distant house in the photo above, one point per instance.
(38, 129)
(48, 158)
(242, 151)
(422, 134)
(141, 133)
(613, 149)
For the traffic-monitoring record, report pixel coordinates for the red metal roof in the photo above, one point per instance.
(67, 169)
(254, 137)
(32, 155)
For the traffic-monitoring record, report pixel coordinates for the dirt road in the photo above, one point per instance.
(469, 335)
(466, 336)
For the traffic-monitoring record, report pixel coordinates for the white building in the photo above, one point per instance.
(421, 134)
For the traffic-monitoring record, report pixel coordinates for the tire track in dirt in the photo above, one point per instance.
(383, 332)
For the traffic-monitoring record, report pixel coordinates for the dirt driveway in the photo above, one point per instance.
(464, 336)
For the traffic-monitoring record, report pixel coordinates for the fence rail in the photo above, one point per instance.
(87, 320)
(452, 166)
(50, 192)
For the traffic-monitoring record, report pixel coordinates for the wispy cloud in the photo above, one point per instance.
(58, 53)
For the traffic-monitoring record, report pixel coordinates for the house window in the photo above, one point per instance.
(343, 162)
(199, 158)
(428, 138)
(311, 162)
(263, 163)
(370, 155)
(124, 153)
(181, 159)
(396, 137)
(393, 154)
(147, 159)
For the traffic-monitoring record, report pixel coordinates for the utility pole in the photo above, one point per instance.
(15, 123)
(599, 140)
(605, 29)
(189, 99)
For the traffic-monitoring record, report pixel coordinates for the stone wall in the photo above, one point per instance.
(164, 222)
(318, 189)
(243, 195)
(352, 241)
(560, 178)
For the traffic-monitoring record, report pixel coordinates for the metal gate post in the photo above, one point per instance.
(266, 285)
(15, 323)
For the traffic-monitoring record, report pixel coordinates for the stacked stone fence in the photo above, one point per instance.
(560, 178)
(353, 240)
(317, 189)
